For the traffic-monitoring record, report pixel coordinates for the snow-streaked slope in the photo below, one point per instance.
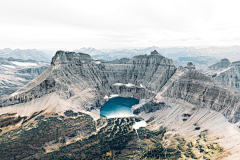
(15, 73)
(24, 64)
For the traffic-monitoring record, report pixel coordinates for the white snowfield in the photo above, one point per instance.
(14, 94)
(24, 63)
(121, 84)
(97, 62)
(121, 115)
(137, 125)
(111, 96)
(106, 97)
(9, 66)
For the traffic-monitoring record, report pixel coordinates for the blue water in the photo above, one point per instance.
(118, 107)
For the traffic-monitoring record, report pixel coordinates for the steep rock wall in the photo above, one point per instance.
(72, 74)
(198, 89)
(227, 74)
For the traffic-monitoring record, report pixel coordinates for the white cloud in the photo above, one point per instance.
(72, 24)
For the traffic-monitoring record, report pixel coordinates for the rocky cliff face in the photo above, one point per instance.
(200, 90)
(77, 78)
(224, 63)
(226, 74)
(72, 74)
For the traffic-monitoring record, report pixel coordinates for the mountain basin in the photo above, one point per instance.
(118, 107)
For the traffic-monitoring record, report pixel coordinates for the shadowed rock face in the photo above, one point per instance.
(198, 89)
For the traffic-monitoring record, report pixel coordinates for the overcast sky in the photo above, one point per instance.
(70, 24)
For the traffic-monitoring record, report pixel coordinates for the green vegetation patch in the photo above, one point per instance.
(30, 139)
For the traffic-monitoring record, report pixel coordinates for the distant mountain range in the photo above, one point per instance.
(25, 54)
(201, 57)
(15, 73)
(200, 62)
(219, 52)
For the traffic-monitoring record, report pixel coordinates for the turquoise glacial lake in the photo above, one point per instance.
(118, 107)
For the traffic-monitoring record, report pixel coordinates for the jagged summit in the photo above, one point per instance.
(190, 65)
(62, 57)
(226, 73)
(154, 53)
(225, 60)
(224, 63)
(153, 59)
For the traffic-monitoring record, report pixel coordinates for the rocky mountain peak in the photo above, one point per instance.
(190, 65)
(154, 53)
(225, 60)
(237, 63)
(62, 57)
(154, 58)
(224, 63)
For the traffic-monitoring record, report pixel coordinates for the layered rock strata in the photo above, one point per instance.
(226, 74)
(78, 78)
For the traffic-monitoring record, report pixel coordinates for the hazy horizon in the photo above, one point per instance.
(69, 25)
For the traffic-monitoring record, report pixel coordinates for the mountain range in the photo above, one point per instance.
(25, 54)
(57, 114)
(15, 73)
(201, 57)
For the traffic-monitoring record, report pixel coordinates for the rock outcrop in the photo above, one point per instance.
(196, 88)
(224, 63)
(226, 74)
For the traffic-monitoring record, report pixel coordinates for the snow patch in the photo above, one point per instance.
(129, 85)
(14, 94)
(106, 97)
(8, 66)
(118, 84)
(111, 96)
(121, 84)
(97, 62)
(24, 63)
(137, 125)
(122, 114)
